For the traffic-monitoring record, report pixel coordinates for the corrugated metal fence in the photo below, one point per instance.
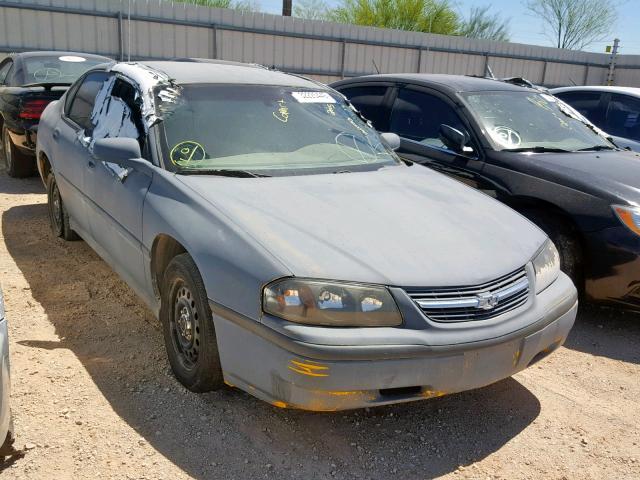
(324, 50)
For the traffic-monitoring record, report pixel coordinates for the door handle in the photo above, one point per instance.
(56, 133)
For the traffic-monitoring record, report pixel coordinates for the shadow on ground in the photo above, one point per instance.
(228, 434)
(19, 185)
(606, 332)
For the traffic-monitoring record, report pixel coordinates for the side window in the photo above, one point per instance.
(4, 71)
(368, 99)
(623, 117)
(117, 112)
(84, 99)
(418, 116)
(586, 103)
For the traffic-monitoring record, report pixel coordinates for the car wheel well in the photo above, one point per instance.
(164, 249)
(44, 166)
(546, 213)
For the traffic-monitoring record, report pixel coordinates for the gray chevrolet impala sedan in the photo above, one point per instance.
(284, 246)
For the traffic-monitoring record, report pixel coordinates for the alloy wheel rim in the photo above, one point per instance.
(185, 326)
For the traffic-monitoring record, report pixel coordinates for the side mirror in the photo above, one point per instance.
(391, 140)
(117, 150)
(453, 139)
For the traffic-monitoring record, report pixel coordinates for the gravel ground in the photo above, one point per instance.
(93, 396)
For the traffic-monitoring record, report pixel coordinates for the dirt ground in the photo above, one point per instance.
(93, 396)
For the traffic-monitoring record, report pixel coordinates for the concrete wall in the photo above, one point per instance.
(324, 50)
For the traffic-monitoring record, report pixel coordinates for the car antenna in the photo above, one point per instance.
(375, 66)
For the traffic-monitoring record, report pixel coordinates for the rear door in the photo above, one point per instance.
(372, 100)
(71, 136)
(623, 117)
(416, 117)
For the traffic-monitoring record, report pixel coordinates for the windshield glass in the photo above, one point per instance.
(268, 130)
(57, 69)
(531, 120)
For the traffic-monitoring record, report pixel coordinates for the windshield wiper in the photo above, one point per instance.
(221, 172)
(537, 150)
(596, 148)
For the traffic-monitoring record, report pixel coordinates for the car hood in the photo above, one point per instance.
(610, 174)
(403, 226)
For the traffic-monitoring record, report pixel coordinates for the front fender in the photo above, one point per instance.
(233, 265)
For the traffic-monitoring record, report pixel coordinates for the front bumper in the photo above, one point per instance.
(613, 276)
(288, 372)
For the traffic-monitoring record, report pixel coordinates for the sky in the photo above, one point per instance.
(527, 29)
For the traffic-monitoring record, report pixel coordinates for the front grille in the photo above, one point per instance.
(476, 302)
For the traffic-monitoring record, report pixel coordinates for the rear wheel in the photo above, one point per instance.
(18, 164)
(565, 240)
(187, 324)
(58, 216)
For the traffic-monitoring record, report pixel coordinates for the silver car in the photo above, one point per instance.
(284, 246)
(615, 110)
(6, 423)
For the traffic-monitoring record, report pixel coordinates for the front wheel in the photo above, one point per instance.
(187, 325)
(565, 241)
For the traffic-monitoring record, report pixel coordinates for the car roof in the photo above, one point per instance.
(56, 53)
(187, 72)
(599, 88)
(451, 83)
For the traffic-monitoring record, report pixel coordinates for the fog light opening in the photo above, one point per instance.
(400, 391)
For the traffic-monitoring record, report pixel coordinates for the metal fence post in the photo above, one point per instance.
(120, 37)
(544, 73)
(214, 41)
(344, 51)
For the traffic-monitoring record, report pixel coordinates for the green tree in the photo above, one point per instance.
(574, 24)
(311, 9)
(435, 16)
(481, 24)
(243, 5)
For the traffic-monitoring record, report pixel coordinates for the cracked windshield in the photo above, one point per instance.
(269, 130)
(527, 121)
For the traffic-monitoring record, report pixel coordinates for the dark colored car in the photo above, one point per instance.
(532, 152)
(615, 110)
(29, 81)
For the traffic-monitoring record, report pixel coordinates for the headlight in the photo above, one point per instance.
(335, 304)
(630, 216)
(547, 266)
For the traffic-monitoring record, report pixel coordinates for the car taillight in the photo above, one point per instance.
(32, 109)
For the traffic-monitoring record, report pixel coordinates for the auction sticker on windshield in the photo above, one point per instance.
(72, 58)
(313, 97)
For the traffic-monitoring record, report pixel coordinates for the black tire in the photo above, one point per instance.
(565, 240)
(6, 449)
(58, 216)
(18, 164)
(187, 325)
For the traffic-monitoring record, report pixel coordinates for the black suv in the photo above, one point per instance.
(529, 150)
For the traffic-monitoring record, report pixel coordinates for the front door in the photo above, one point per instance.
(416, 117)
(117, 194)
